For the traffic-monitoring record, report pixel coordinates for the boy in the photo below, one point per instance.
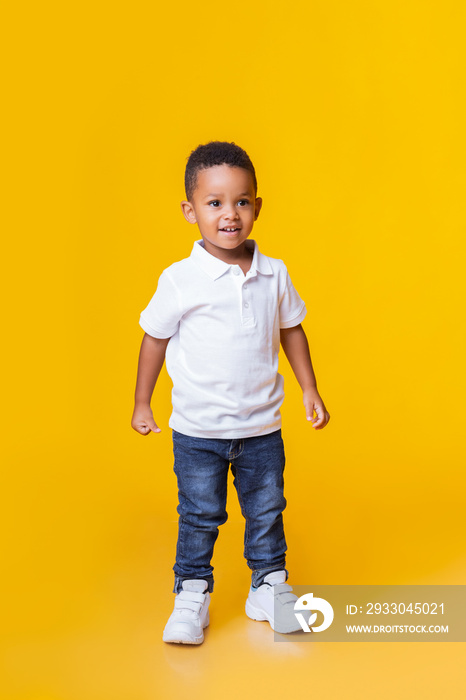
(219, 316)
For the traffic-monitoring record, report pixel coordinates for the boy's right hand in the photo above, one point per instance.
(143, 421)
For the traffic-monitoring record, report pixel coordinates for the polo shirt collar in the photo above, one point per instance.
(215, 268)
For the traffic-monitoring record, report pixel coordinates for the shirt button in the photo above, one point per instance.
(235, 271)
(246, 305)
(245, 286)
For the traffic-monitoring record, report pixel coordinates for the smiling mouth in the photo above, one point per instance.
(230, 230)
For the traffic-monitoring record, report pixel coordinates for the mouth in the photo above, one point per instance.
(230, 230)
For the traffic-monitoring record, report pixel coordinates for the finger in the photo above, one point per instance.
(309, 412)
(323, 422)
(152, 426)
(146, 428)
(309, 408)
(320, 417)
(140, 428)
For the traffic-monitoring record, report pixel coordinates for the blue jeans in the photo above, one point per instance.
(201, 467)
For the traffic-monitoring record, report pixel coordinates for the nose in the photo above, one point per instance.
(230, 212)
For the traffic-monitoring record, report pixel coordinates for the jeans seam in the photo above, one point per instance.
(246, 518)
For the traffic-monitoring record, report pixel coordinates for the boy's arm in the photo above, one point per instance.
(151, 359)
(296, 347)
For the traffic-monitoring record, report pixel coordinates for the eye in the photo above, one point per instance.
(214, 203)
(243, 202)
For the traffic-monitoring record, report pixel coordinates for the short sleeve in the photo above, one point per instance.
(161, 317)
(292, 307)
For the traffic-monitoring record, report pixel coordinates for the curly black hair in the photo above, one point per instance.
(215, 153)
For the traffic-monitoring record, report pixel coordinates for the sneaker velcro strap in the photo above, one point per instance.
(189, 600)
(281, 588)
(191, 595)
(187, 605)
(283, 593)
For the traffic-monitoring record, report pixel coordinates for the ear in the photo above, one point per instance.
(257, 207)
(188, 212)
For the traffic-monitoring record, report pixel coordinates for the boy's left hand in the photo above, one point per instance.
(313, 402)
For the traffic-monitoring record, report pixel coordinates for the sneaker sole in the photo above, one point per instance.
(184, 640)
(261, 616)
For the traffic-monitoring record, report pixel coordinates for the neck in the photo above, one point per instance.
(231, 257)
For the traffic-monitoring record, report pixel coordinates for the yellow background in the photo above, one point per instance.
(353, 114)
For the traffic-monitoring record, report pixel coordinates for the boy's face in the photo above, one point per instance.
(224, 206)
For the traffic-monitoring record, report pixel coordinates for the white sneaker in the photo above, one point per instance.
(274, 601)
(190, 616)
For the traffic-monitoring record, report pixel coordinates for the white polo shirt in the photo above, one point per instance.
(224, 330)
